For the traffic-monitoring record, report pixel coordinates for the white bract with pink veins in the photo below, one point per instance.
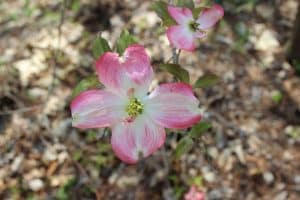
(137, 119)
(184, 34)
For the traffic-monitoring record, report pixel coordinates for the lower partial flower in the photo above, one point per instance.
(194, 194)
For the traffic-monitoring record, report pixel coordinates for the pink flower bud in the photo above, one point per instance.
(194, 194)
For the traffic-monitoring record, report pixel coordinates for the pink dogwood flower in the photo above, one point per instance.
(137, 118)
(194, 194)
(184, 34)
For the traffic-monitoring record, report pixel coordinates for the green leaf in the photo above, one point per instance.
(75, 6)
(178, 190)
(161, 10)
(218, 1)
(276, 96)
(177, 71)
(296, 65)
(242, 31)
(246, 7)
(77, 155)
(198, 8)
(100, 46)
(198, 129)
(198, 181)
(104, 148)
(91, 135)
(124, 41)
(206, 81)
(186, 3)
(196, 12)
(184, 146)
(293, 131)
(85, 84)
(205, 4)
(63, 192)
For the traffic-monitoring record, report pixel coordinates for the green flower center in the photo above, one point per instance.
(193, 25)
(134, 108)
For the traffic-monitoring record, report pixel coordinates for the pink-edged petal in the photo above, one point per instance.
(173, 105)
(181, 37)
(137, 64)
(210, 16)
(174, 88)
(96, 109)
(138, 67)
(140, 137)
(131, 72)
(180, 15)
(109, 71)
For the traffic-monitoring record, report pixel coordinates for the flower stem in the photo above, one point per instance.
(175, 55)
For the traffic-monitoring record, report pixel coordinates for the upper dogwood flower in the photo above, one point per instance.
(136, 118)
(188, 29)
(194, 194)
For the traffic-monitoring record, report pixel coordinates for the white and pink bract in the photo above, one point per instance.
(137, 119)
(184, 34)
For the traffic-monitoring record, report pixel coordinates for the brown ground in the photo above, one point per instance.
(252, 151)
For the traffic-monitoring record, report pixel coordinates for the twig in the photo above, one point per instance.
(226, 123)
(177, 56)
(21, 110)
(118, 173)
(58, 50)
(170, 59)
(166, 162)
(141, 165)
